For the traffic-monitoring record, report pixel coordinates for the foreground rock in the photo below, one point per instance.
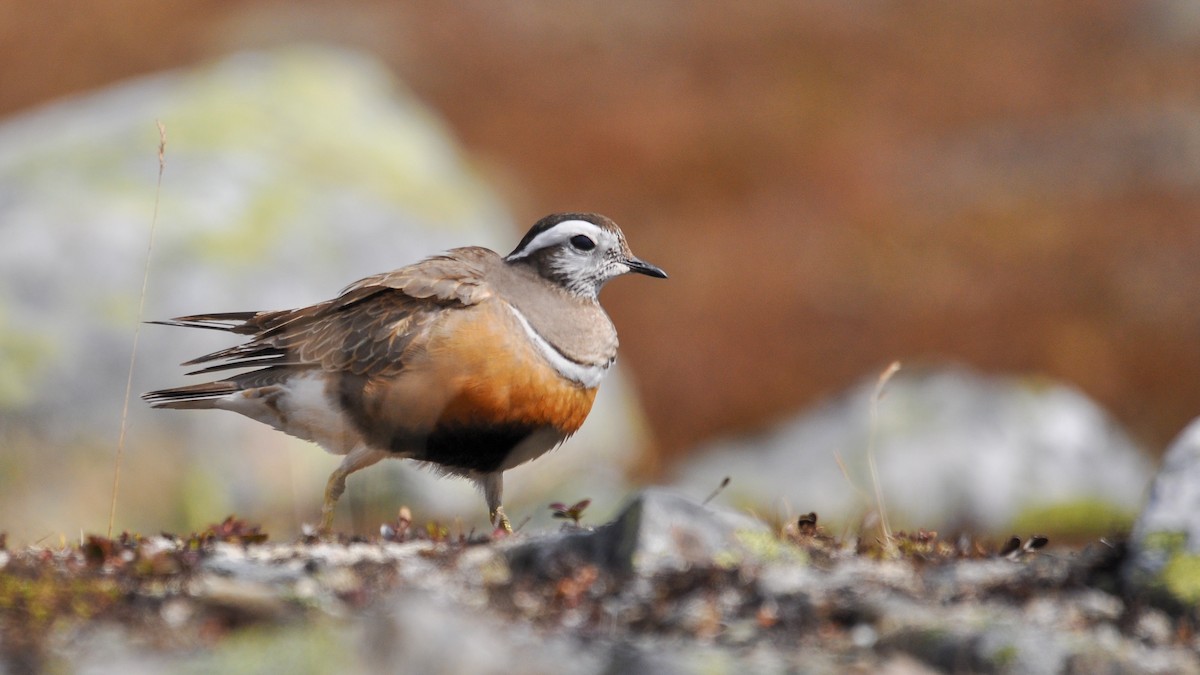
(671, 586)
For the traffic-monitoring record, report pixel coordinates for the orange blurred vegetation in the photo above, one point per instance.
(831, 185)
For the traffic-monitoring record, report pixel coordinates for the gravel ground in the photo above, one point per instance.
(670, 586)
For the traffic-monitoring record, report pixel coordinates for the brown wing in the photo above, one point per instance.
(365, 330)
(455, 275)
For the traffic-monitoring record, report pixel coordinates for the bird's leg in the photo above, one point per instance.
(333, 489)
(359, 458)
(493, 489)
(501, 520)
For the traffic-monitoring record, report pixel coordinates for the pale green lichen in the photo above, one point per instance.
(1181, 577)
(1169, 541)
(1080, 518)
(24, 358)
(295, 649)
(767, 547)
(318, 94)
(1005, 656)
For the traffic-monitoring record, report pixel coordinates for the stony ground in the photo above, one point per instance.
(670, 586)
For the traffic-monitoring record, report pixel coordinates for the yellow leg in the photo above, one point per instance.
(359, 458)
(493, 489)
(501, 520)
(333, 490)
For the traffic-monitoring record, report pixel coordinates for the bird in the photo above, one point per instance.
(468, 362)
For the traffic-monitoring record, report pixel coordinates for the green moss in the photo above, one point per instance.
(1181, 578)
(35, 602)
(1083, 519)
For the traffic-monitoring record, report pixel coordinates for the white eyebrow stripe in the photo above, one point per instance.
(587, 376)
(557, 234)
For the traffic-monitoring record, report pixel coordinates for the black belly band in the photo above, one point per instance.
(474, 448)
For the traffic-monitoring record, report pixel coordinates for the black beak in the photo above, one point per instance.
(642, 267)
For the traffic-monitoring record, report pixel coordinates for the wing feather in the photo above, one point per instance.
(366, 330)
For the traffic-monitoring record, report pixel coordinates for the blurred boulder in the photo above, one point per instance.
(287, 175)
(1165, 544)
(954, 449)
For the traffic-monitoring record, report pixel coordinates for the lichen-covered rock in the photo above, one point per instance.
(1165, 544)
(955, 449)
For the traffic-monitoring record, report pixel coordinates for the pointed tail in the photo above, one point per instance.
(192, 397)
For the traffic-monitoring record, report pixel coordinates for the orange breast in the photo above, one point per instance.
(495, 376)
(474, 395)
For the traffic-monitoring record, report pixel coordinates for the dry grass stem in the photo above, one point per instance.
(162, 150)
(874, 426)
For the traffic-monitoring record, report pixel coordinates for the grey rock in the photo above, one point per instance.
(250, 571)
(954, 448)
(1000, 649)
(416, 632)
(657, 532)
(634, 660)
(1165, 543)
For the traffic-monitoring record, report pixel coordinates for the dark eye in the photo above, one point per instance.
(583, 242)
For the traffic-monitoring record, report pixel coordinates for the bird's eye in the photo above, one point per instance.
(583, 242)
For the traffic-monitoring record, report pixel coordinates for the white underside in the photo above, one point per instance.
(300, 408)
(589, 376)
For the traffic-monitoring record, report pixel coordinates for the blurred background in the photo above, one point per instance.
(1006, 189)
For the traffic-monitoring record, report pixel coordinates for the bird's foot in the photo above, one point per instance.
(500, 520)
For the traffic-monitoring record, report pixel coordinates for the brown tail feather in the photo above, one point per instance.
(196, 396)
(226, 321)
